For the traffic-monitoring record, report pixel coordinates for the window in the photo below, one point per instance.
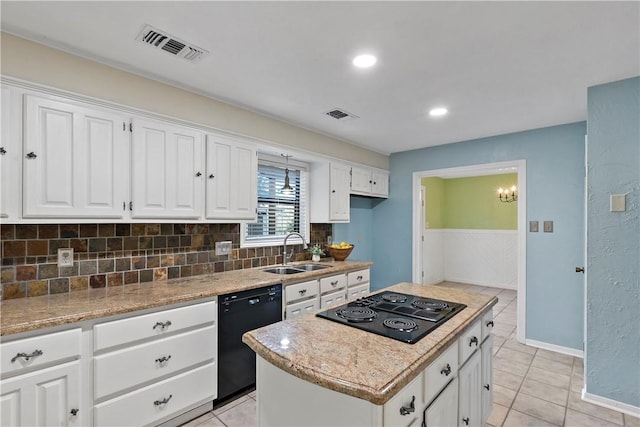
(279, 212)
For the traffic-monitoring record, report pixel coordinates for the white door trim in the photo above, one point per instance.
(514, 166)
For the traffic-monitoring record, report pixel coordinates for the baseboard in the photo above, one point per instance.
(557, 348)
(625, 408)
(480, 283)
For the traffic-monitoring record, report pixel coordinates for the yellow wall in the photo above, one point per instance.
(40, 64)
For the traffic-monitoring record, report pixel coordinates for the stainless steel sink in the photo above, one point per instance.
(312, 267)
(295, 269)
(283, 270)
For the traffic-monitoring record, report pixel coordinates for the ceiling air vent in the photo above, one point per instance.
(162, 40)
(340, 114)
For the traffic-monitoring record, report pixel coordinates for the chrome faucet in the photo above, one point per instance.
(286, 257)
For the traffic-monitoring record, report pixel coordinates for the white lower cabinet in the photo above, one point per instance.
(470, 400)
(405, 408)
(161, 400)
(300, 308)
(47, 397)
(486, 351)
(443, 411)
(332, 299)
(357, 284)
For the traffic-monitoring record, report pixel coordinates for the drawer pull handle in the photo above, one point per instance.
(198, 174)
(3, 151)
(473, 340)
(487, 386)
(26, 356)
(334, 283)
(490, 324)
(162, 325)
(31, 155)
(163, 359)
(74, 411)
(302, 291)
(406, 410)
(466, 421)
(163, 401)
(446, 371)
(359, 277)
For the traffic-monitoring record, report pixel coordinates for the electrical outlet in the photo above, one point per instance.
(618, 202)
(548, 226)
(223, 248)
(65, 257)
(533, 226)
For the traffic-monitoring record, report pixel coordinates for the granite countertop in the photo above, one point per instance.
(360, 363)
(29, 314)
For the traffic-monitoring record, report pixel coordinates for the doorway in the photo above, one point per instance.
(419, 248)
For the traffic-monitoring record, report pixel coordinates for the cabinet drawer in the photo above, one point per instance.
(405, 407)
(487, 324)
(440, 372)
(300, 308)
(153, 325)
(135, 365)
(357, 291)
(332, 299)
(20, 354)
(470, 341)
(145, 406)
(301, 291)
(333, 283)
(357, 277)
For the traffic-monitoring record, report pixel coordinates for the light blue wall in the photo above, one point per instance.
(555, 191)
(359, 231)
(613, 243)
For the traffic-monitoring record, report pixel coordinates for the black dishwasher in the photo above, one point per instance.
(241, 312)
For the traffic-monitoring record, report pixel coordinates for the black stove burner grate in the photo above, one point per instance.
(394, 297)
(357, 314)
(400, 324)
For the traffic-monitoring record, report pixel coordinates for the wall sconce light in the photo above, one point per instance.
(286, 188)
(508, 195)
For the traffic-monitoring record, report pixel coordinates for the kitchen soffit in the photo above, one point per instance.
(499, 67)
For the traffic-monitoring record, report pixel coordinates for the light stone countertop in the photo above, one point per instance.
(360, 363)
(29, 314)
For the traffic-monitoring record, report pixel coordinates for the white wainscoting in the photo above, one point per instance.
(481, 257)
(432, 256)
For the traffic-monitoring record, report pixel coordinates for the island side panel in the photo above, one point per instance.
(285, 400)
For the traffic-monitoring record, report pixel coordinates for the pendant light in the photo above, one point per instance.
(286, 188)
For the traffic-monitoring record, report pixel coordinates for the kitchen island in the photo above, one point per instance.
(312, 371)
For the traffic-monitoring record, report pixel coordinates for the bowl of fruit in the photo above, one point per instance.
(340, 251)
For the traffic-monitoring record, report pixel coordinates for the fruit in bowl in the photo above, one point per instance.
(340, 251)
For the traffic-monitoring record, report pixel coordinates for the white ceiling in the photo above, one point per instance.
(499, 67)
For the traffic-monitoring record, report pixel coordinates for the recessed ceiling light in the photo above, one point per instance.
(364, 61)
(436, 112)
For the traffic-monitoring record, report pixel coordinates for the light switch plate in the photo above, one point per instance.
(548, 226)
(65, 257)
(533, 226)
(618, 202)
(223, 248)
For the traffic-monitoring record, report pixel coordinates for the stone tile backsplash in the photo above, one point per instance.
(117, 254)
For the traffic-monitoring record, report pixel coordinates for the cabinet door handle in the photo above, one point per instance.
(3, 151)
(406, 410)
(333, 191)
(211, 176)
(375, 183)
(74, 411)
(31, 155)
(490, 324)
(163, 359)
(473, 340)
(26, 356)
(163, 401)
(487, 386)
(466, 421)
(198, 174)
(162, 325)
(370, 182)
(446, 371)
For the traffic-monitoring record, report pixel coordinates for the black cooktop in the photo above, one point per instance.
(403, 317)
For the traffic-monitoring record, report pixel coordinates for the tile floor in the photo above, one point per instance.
(532, 387)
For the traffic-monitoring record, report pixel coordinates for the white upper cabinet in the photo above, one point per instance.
(10, 155)
(231, 189)
(75, 160)
(369, 182)
(167, 170)
(330, 183)
(339, 198)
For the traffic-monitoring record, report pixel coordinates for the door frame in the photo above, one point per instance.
(513, 166)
